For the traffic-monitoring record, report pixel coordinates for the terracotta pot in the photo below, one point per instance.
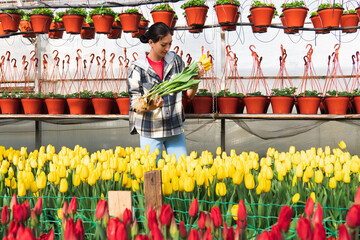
(41, 23)
(241, 105)
(73, 23)
(194, 30)
(142, 28)
(262, 16)
(173, 24)
(10, 21)
(103, 23)
(25, 26)
(2, 32)
(316, 21)
(358, 11)
(9, 105)
(78, 106)
(256, 29)
(228, 104)
(287, 31)
(282, 104)
(255, 104)
(349, 20)
(337, 105)
(115, 32)
(123, 105)
(55, 105)
(356, 101)
(308, 104)
(196, 16)
(232, 27)
(202, 104)
(87, 33)
(330, 17)
(295, 17)
(130, 22)
(226, 13)
(32, 105)
(102, 106)
(163, 16)
(56, 34)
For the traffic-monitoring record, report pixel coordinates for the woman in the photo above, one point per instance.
(162, 122)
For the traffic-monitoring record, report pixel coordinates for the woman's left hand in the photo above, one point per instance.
(201, 70)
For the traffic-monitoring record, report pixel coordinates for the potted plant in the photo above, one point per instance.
(295, 13)
(25, 26)
(123, 102)
(309, 102)
(103, 102)
(337, 102)
(202, 101)
(227, 12)
(195, 14)
(10, 19)
(163, 13)
(41, 19)
(284, 23)
(32, 102)
(78, 102)
(74, 20)
(173, 23)
(256, 29)
(227, 102)
(116, 29)
(282, 100)
(349, 19)
(142, 28)
(262, 13)
(330, 14)
(88, 31)
(356, 100)
(56, 25)
(130, 20)
(316, 21)
(103, 19)
(256, 103)
(55, 103)
(9, 102)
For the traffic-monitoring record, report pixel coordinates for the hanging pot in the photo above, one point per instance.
(226, 13)
(337, 105)
(262, 16)
(228, 105)
(356, 101)
(142, 29)
(232, 27)
(102, 106)
(9, 105)
(32, 105)
(86, 32)
(287, 31)
(165, 16)
(295, 17)
(41, 23)
(195, 17)
(330, 17)
(115, 30)
(2, 32)
(123, 105)
(282, 104)
(349, 20)
(256, 29)
(25, 26)
(173, 24)
(73, 23)
(255, 104)
(241, 105)
(130, 21)
(10, 21)
(308, 104)
(78, 105)
(55, 105)
(202, 104)
(316, 21)
(56, 34)
(103, 23)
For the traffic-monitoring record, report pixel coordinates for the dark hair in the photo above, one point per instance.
(156, 32)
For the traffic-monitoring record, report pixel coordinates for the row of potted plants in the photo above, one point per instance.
(77, 103)
(282, 102)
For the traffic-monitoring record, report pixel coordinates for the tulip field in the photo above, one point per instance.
(263, 184)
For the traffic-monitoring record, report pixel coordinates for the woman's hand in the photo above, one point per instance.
(201, 70)
(158, 102)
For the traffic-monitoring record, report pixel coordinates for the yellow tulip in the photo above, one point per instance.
(338, 175)
(76, 180)
(62, 171)
(299, 171)
(34, 187)
(296, 197)
(220, 174)
(220, 189)
(7, 182)
(13, 184)
(200, 180)
(292, 150)
(84, 172)
(63, 185)
(312, 195)
(234, 211)
(332, 183)
(139, 173)
(346, 178)
(10, 172)
(135, 185)
(238, 177)
(319, 176)
(342, 145)
(189, 184)
(329, 168)
(249, 181)
(327, 150)
(41, 180)
(175, 183)
(167, 188)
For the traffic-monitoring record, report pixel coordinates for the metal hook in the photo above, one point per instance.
(14, 60)
(8, 55)
(112, 55)
(85, 63)
(33, 56)
(135, 53)
(77, 52)
(176, 49)
(68, 58)
(56, 55)
(92, 57)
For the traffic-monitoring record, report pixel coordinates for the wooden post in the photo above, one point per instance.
(153, 191)
(118, 202)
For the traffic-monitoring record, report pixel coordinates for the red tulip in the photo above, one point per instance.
(284, 219)
(26, 210)
(127, 216)
(207, 235)
(79, 230)
(275, 232)
(13, 228)
(331, 238)
(241, 224)
(182, 230)
(165, 214)
(13, 201)
(26, 235)
(151, 216)
(265, 235)
(72, 206)
(353, 216)
(318, 215)
(5, 215)
(20, 231)
(241, 214)
(343, 233)
(194, 208)
(225, 230)
(69, 233)
(230, 234)
(101, 209)
(303, 229)
(121, 231)
(18, 212)
(201, 221)
(111, 228)
(49, 236)
(216, 216)
(38, 206)
(141, 237)
(309, 207)
(156, 233)
(357, 197)
(194, 235)
(208, 220)
(319, 232)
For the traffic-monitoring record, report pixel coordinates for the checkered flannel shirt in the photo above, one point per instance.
(162, 122)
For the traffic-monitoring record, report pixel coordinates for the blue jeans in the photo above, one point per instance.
(173, 145)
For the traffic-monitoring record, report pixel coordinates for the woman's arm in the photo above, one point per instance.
(191, 92)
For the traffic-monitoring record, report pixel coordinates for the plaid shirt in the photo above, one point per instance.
(162, 122)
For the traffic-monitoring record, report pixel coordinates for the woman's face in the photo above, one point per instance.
(161, 47)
